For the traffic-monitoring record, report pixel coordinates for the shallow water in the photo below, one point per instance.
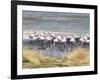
(48, 51)
(52, 52)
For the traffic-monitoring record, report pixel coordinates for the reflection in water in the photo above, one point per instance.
(51, 51)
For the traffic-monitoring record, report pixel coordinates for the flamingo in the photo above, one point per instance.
(59, 40)
(87, 41)
(55, 41)
(31, 36)
(48, 40)
(72, 42)
(64, 41)
(53, 35)
(41, 39)
(59, 37)
(85, 37)
(82, 40)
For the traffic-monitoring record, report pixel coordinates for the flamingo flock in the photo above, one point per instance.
(50, 40)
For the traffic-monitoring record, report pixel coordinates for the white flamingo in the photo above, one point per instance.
(31, 36)
(41, 39)
(72, 40)
(52, 35)
(88, 41)
(72, 43)
(85, 37)
(64, 41)
(55, 41)
(59, 37)
(48, 38)
(82, 40)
